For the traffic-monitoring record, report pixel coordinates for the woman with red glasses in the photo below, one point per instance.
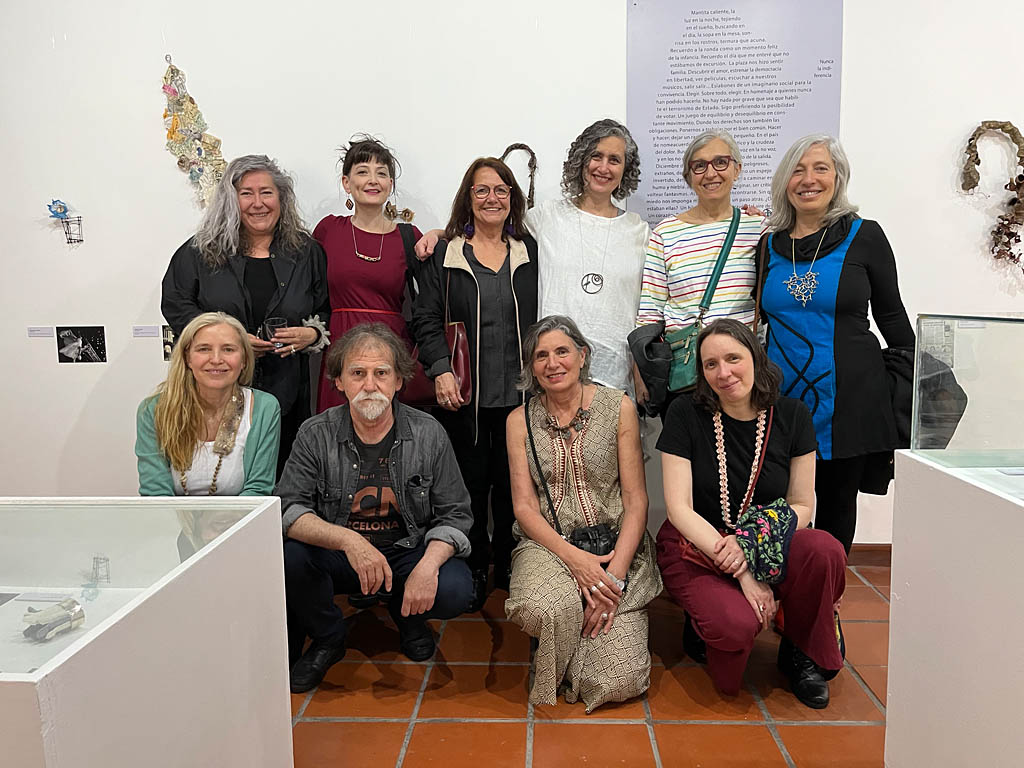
(684, 249)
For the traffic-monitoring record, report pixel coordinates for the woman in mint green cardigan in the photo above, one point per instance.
(205, 432)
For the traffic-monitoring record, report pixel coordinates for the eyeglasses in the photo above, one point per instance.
(719, 163)
(481, 191)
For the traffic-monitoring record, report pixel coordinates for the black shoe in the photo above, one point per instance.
(479, 591)
(502, 576)
(308, 672)
(693, 644)
(415, 639)
(805, 677)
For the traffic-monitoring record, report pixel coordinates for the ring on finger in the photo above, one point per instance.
(600, 583)
(761, 606)
(593, 588)
(604, 617)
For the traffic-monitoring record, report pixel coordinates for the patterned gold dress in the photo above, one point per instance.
(583, 478)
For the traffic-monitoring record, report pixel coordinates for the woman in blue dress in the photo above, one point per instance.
(824, 267)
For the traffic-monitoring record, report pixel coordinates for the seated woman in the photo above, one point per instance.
(205, 432)
(730, 564)
(576, 462)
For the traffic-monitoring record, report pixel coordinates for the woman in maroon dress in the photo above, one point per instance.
(366, 254)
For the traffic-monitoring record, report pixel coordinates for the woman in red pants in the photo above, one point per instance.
(738, 462)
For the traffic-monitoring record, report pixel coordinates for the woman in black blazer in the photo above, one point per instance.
(485, 271)
(253, 258)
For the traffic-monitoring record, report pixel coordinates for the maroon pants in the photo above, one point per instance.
(815, 580)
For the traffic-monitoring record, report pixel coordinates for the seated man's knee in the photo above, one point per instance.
(299, 561)
(454, 589)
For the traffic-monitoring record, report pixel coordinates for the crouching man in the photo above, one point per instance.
(373, 502)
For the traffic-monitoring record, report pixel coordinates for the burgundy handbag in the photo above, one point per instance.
(419, 391)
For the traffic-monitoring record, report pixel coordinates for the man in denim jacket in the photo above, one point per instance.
(373, 503)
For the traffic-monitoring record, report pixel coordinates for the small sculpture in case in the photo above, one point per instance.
(49, 622)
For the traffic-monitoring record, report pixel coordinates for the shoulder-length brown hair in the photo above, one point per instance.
(462, 206)
(767, 376)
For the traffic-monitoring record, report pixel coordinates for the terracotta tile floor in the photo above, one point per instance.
(467, 706)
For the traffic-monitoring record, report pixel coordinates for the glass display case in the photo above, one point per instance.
(126, 621)
(968, 410)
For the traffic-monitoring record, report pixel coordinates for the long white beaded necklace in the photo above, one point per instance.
(723, 477)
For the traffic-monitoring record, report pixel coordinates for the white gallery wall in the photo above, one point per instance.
(442, 82)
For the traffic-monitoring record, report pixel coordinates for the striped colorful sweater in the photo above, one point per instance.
(680, 259)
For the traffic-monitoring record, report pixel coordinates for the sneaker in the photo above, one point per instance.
(415, 639)
(308, 672)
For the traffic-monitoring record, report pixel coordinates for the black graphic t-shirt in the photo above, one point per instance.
(375, 514)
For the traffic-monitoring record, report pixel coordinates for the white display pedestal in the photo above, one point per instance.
(956, 622)
(178, 663)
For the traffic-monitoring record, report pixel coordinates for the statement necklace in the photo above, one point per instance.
(224, 443)
(355, 247)
(802, 288)
(592, 282)
(723, 478)
(577, 422)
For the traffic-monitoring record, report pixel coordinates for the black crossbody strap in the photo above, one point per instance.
(540, 470)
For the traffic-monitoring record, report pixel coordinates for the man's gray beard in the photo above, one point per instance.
(371, 405)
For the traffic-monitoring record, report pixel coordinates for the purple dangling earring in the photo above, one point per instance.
(509, 229)
(469, 229)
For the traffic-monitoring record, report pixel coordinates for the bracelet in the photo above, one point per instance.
(620, 583)
(323, 335)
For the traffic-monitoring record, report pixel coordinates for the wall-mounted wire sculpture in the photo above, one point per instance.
(531, 165)
(1005, 235)
(198, 152)
(72, 225)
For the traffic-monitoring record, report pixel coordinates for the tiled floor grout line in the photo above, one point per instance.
(447, 663)
(530, 715)
(874, 589)
(770, 724)
(419, 698)
(302, 707)
(595, 721)
(649, 722)
(867, 689)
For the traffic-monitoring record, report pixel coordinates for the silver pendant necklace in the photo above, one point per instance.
(592, 282)
(802, 288)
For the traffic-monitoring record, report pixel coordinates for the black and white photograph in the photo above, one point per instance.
(168, 336)
(81, 344)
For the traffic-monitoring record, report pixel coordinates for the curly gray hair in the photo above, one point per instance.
(583, 147)
(783, 214)
(527, 382)
(220, 232)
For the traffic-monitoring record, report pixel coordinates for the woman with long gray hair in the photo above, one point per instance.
(253, 258)
(825, 267)
(577, 468)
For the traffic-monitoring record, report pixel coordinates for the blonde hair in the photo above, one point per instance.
(178, 414)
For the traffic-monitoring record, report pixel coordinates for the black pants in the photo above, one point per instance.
(836, 483)
(484, 466)
(290, 423)
(314, 575)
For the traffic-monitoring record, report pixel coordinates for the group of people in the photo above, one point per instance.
(535, 433)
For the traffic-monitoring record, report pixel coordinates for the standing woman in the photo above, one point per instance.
(253, 259)
(366, 262)
(683, 250)
(483, 272)
(591, 252)
(825, 266)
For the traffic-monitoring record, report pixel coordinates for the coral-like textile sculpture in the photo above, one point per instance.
(198, 152)
(1005, 235)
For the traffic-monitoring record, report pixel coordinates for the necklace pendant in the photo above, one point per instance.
(802, 288)
(592, 282)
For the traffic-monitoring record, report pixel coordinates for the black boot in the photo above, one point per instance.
(693, 644)
(805, 677)
(479, 591)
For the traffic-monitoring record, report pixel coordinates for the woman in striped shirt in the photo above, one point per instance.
(683, 249)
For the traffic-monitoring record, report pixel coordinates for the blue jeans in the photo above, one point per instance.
(314, 575)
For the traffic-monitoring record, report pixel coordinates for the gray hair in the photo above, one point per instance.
(704, 139)
(220, 232)
(373, 335)
(783, 214)
(527, 382)
(579, 154)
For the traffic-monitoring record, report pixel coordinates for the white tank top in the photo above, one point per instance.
(231, 477)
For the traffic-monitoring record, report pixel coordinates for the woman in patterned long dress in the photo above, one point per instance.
(587, 612)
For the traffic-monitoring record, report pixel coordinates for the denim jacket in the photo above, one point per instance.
(323, 470)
